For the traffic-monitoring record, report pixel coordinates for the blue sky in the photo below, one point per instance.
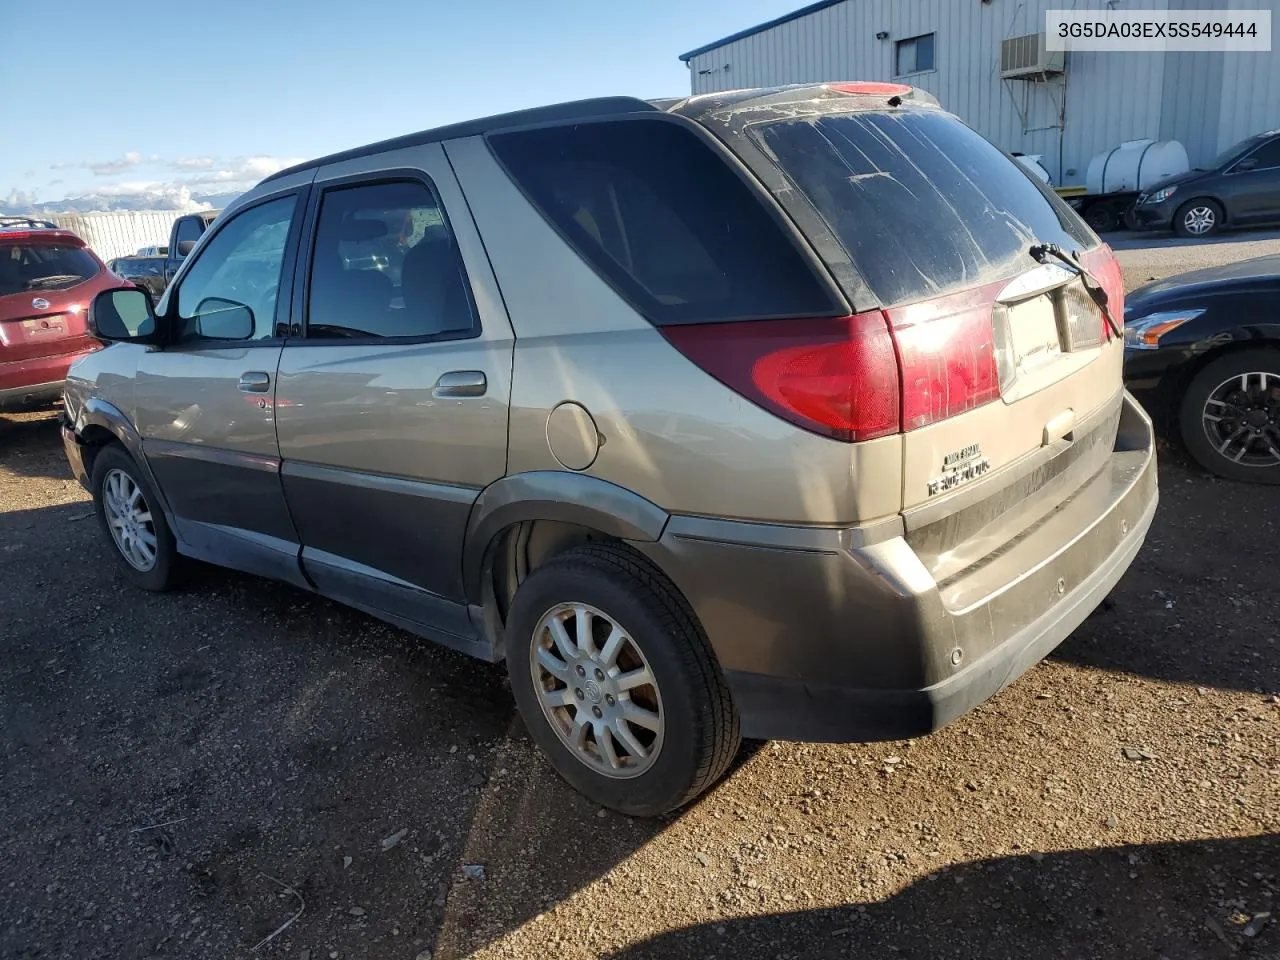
(177, 98)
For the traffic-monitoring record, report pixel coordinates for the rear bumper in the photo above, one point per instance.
(845, 635)
(24, 383)
(29, 395)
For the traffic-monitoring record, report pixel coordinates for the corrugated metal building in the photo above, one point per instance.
(119, 232)
(952, 48)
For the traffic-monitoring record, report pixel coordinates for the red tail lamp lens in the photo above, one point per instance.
(837, 377)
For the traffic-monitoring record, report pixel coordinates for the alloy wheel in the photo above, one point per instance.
(1242, 419)
(1199, 220)
(597, 690)
(129, 520)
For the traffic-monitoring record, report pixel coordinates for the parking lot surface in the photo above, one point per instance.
(239, 769)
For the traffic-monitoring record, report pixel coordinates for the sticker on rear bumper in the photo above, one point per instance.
(959, 467)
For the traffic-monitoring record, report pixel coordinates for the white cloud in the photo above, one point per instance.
(105, 168)
(199, 176)
(19, 199)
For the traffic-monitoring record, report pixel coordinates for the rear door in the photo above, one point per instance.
(205, 403)
(1006, 365)
(392, 405)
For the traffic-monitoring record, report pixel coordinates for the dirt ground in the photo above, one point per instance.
(183, 775)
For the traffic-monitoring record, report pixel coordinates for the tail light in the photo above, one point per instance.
(1101, 262)
(836, 377)
(946, 350)
(860, 377)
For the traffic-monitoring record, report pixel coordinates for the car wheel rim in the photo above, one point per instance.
(1199, 220)
(129, 520)
(597, 690)
(1242, 419)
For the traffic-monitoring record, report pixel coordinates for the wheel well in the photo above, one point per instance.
(1175, 385)
(521, 548)
(92, 439)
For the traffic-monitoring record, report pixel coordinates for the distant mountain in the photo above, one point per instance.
(165, 199)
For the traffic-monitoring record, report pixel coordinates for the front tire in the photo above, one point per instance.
(616, 683)
(1198, 218)
(130, 516)
(1230, 416)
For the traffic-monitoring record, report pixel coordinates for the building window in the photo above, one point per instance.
(914, 55)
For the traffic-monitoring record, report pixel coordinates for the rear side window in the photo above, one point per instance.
(387, 265)
(922, 203)
(43, 266)
(664, 220)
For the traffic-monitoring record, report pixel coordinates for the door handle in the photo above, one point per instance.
(461, 383)
(255, 381)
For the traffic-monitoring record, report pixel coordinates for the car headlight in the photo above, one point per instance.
(1144, 333)
(1161, 195)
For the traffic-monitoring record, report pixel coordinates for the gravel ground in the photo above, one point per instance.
(1153, 256)
(181, 775)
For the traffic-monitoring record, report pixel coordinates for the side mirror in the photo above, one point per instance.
(185, 247)
(1248, 163)
(219, 319)
(122, 315)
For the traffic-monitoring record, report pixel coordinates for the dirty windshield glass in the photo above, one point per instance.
(921, 203)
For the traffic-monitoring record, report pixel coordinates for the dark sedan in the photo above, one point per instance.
(1239, 187)
(1202, 352)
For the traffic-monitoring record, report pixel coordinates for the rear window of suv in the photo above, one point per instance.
(657, 213)
(921, 202)
(28, 267)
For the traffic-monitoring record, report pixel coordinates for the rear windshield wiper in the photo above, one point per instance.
(1045, 252)
(45, 281)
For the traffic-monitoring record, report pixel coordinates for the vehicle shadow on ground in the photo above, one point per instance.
(1201, 603)
(1178, 901)
(181, 771)
(31, 445)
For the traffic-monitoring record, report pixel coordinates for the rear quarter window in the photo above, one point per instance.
(922, 204)
(661, 216)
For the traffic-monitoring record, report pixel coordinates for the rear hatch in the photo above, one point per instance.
(1009, 375)
(47, 279)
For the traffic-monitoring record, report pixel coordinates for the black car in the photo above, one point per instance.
(1239, 187)
(1202, 353)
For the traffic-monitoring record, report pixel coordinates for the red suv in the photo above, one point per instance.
(47, 279)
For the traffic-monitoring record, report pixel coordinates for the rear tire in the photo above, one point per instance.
(1236, 396)
(574, 696)
(130, 516)
(1198, 218)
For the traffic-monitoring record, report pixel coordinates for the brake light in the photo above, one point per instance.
(946, 351)
(836, 377)
(871, 89)
(63, 237)
(1101, 262)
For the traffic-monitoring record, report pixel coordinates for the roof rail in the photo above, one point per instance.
(26, 223)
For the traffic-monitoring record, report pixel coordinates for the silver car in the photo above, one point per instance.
(790, 413)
